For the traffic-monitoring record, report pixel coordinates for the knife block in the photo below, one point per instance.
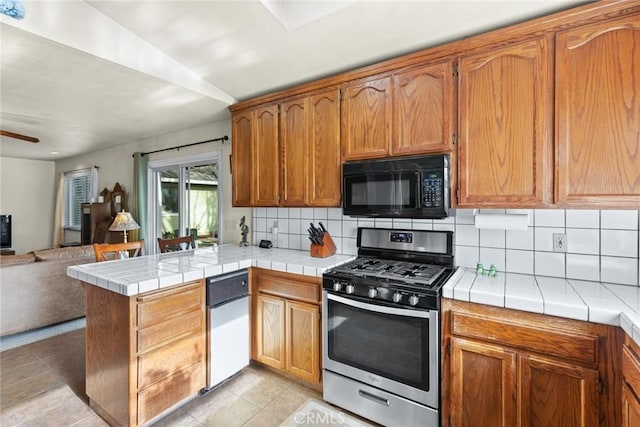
(323, 251)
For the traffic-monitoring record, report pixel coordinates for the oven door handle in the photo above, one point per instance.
(380, 308)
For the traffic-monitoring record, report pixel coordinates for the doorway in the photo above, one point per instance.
(186, 199)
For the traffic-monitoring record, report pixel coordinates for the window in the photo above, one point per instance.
(185, 199)
(77, 190)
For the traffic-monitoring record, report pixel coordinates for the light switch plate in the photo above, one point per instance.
(560, 242)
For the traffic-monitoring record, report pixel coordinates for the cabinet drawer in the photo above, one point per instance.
(290, 286)
(164, 332)
(160, 363)
(568, 344)
(170, 391)
(163, 305)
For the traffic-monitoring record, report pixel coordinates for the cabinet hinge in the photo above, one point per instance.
(600, 386)
(455, 69)
(449, 348)
(458, 195)
(454, 138)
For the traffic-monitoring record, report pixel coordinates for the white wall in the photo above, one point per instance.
(116, 165)
(27, 192)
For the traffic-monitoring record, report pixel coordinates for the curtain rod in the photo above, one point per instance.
(222, 138)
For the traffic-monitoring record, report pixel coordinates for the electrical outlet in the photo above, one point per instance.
(560, 242)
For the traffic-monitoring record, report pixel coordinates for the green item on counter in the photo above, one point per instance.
(493, 271)
(480, 269)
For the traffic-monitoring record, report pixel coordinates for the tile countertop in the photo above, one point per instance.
(595, 302)
(147, 273)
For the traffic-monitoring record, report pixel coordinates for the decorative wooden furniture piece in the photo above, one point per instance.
(113, 251)
(176, 244)
(145, 353)
(285, 312)
(96, 218)
(504, 367)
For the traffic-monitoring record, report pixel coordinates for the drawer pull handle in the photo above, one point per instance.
(373, 397)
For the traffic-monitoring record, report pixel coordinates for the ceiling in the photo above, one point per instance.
(84, 76)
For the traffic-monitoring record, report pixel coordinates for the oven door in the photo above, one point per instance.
(393, 349)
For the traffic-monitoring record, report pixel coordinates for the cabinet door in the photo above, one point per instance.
(423, 109)
(303, 341)
(630, 408)
(483, 385)
(366, 119)
(242, 158)
(324, 149)
(554, 393)
(266, 160)
(294, 140)
(598, 114)
(270, 333)
(505, 108)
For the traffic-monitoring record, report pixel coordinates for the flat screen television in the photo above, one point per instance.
(5, 231)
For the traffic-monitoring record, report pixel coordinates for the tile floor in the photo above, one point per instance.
(42, 384)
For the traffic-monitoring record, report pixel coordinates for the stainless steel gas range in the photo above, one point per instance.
(381, 326)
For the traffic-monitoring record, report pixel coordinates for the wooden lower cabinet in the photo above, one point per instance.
(286, 323)
(505, 367)
(145, 353)
(631, 383)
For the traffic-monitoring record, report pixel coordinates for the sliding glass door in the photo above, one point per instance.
(186, 201)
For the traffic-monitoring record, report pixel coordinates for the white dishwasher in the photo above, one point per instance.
(228, 326)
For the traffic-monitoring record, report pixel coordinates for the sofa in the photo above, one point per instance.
(35, 290)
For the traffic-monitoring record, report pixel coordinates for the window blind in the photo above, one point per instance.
(77, 190)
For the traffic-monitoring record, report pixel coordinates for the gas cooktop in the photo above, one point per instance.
(404, 271)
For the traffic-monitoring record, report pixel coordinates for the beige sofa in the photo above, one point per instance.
(35, 290)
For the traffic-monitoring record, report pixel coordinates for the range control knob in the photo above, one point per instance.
(397, 297)
(413, 300)
(373, 292)
(350, 288)
(337, 286)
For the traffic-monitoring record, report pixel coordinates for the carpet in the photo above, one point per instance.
(316, 413)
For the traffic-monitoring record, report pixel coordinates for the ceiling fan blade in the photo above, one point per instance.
(18, 136)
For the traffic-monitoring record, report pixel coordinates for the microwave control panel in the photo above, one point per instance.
(432, 190)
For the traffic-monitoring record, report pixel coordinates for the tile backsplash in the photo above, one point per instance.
(602, 245)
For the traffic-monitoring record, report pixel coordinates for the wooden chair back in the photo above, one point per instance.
(176, 244)
(111, 251)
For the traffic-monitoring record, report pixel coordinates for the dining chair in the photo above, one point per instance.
(113, 251)
(176, 244)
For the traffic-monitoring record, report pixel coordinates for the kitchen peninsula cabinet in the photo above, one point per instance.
(505, 126)
(631, 383)
(144, 353)
(504, 367)
(598, 114)
(286, 323)
(255, 159)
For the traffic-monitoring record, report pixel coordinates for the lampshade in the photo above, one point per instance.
(123, 222)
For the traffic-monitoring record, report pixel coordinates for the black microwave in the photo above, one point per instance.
(404, 187)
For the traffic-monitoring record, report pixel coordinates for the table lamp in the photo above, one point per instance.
(124, 222)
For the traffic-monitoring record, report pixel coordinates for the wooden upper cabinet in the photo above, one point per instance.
(423, 109)
(505, 126)
(242, 158)
(294, 137)
(324, 149)
(598, 114)
(266, 160)
(366, 119)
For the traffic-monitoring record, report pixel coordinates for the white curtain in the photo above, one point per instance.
(58, 231)
(93, 196)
